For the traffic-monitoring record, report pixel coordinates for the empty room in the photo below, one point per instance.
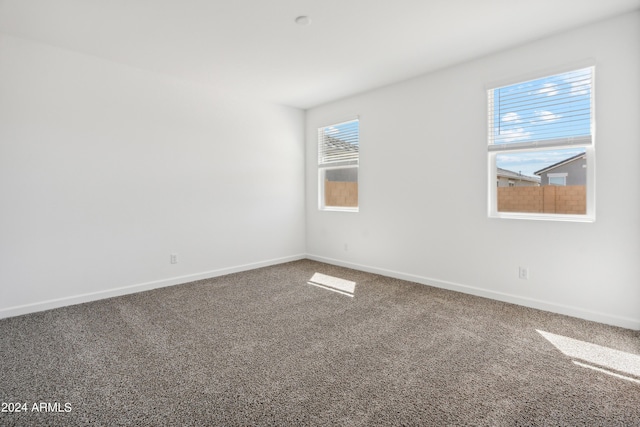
(319, 212)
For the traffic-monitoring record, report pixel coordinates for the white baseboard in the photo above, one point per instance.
(140, 287)
(599, 317)
(609, 319)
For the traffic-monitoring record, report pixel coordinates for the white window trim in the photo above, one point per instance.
(321, 199)
(321, 205)
(591, 195)
(589, 146)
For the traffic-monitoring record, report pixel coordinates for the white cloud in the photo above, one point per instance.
(539, 157)
(508, 134)
(579, 88)
(512, 135)
(511, 117)
(579, 80)
(549, 89)
(331, 130)
(547, 116)
(512, 159)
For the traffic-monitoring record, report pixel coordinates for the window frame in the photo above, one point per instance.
(586, 143)
(562, 175)
(323, 167)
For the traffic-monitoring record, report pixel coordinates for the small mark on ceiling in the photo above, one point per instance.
(303, 20)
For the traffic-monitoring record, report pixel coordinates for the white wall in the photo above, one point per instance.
(423, 185)
(105, 170)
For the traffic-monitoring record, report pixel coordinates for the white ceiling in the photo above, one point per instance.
(254, 46)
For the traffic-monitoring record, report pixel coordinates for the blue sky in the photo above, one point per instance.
(529, 162)
(348, 130)
(548, 108)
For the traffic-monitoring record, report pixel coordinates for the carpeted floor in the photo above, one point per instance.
(265, 348)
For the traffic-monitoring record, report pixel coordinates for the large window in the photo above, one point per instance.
(338, 158)
(541, 137)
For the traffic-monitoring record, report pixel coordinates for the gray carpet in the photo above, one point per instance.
(265, 348)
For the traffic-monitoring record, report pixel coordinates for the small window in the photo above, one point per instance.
(338, 161)
(541, 132)
(557, 179)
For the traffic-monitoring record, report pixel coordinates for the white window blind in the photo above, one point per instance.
(550, 111)
(339, 144)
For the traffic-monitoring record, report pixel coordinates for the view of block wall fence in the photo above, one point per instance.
(570, 199)
(343, 194)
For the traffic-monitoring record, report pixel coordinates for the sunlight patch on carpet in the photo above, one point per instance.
(600, 358)
(605, 371)
(335, 284)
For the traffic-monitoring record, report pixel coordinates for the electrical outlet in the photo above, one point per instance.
(523, 273)
(174, 258)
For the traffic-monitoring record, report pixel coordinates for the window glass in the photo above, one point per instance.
(531, 174)
(541, 139)
(338, 161)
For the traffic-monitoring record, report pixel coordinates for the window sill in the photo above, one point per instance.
(338, 209)
(543, 217)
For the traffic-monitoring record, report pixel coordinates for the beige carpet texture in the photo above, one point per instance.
(310, 344)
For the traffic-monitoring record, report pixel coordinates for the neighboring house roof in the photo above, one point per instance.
(560, 163)
(506, 173)
(335, 149)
